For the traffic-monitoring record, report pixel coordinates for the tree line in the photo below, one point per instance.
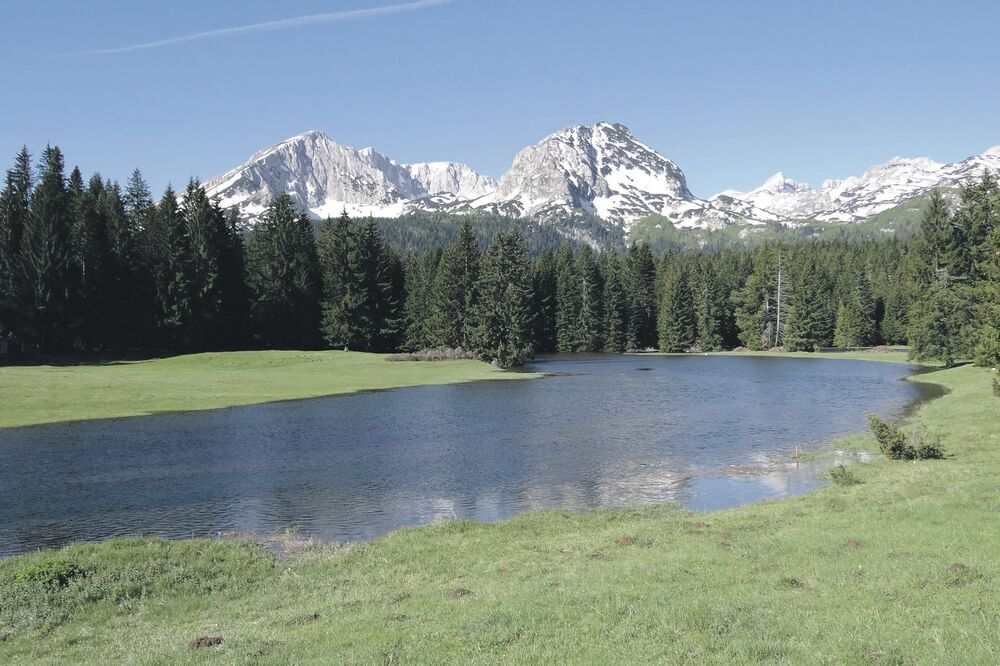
(89, 266)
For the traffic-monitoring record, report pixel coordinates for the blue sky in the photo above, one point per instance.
(731, 91)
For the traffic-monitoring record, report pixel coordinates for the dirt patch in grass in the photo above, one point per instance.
(958, 567)
(851, 544)
(460, 592)
(626, 541)
(204, 642)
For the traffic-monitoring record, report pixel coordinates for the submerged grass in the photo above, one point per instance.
(31, 395)
(898, 569)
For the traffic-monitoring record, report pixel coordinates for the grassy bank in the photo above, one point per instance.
(901, 569)
(51, 393)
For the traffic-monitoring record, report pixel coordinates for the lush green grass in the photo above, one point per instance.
(901, 569)
(52, 393)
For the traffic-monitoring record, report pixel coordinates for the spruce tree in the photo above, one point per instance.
(941, 328)
(47, 256)
(590, 321)
(173, 275)
(454, 294)
(677, 324)
(373, 314)
(544, 284)
(502, 334)
(710, 310)
(14, 211)
(567, 303)
(616, 306)
(284, 276)
(809, 323)
(334, 247)
(640, 285)
(848, 330)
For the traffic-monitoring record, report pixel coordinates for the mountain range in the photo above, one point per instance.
(600, 170)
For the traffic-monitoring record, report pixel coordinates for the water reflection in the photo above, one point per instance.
(607, 431)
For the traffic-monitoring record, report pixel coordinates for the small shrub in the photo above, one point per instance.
(891, 440)
(926, 446)
(52, 573)
(445, 354)
(842, 476)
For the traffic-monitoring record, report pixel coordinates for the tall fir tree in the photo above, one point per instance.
(590, 321)
(284, 276)
(47, 257)
(544, 283)
(616, 305)
(640, 286)
(334, 247)
(14, 211)
(502, 334)
(454, 295)
(677, 323)
(809, 324)
(567, 303)
(710, 310)
(374, 315)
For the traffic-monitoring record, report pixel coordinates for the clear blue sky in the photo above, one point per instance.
(731, 91)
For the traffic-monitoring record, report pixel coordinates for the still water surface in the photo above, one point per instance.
(605, 431)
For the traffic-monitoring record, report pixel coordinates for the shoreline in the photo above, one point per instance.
(795, 579)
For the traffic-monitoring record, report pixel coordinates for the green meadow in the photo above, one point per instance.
(31, 395)
(898, 569)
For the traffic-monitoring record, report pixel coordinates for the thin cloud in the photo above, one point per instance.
(281, 24)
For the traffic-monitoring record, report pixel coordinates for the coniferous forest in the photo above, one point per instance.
(88, 266)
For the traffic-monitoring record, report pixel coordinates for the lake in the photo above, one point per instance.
(604, 431)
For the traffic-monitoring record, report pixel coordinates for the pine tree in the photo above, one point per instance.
(544, 284)
(419, 282)
(640, 285)
(14, 212)
(757, 303)
(454, 296)
(93, 299)
(941, 326)
(567, 303)
(334, 247)
(372, 311)
(47, 256)
(173, 275)
(677, 324)
(590, 321)
(502, 333)
(710, 310)
(848, 328)
(809, 323)
(284, 276)
(616, 306)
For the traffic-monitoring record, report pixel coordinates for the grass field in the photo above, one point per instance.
(31, 395)
(901, 569)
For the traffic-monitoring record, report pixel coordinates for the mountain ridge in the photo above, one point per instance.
(601, 170)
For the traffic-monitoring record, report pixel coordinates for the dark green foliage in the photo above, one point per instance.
(895, 445)
(941, 323)
(842, 476)
(616, 306)
(454, 292)
(544, 286)
(284, 277)
(87, 267)
(47, 258)
(809, 323)
(372, 296)
(891, 440)
(568, 300)
(502, 333)
(52, 572)
(640, 287)
(590, 321)
(678, 327)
